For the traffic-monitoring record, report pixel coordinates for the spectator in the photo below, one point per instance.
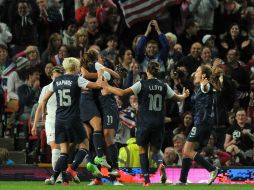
(111, 51)
(32, 54)
(49, 22)
(189, 36)
(206, 56)
(239, 76)
(54, 43)
(210, 155)
(5, 65)
(4, 157)
(63, 52)
(239, 138)
(69, 34)
(17, 78)
(185, 125)
(230, 11)
(133, 74)
(203, 12)
(29, 93)
(45, 77)
(81, 43)
(192, 61)
(23, 17)
(127, 122)
(171, 120)
(235, 40)
(178, 142)
(95, 35)
(5, 34)
(173, 54)
(123, 63)
(82, 11)
(209, 41)
(149, 50)
(170, 156)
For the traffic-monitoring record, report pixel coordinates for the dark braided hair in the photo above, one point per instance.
(153, 68)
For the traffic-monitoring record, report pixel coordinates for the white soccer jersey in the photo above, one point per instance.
(51, 105)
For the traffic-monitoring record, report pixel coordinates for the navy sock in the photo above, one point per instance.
(157, 158)
(79, 157)
(57, 169)
(186, 165)
(203, 162)
(63, 160)
(144, 162)
(113, 152)
(97, 141)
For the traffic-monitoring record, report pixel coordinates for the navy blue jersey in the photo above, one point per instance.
(67, 89)
(203, 107)
(151, 94)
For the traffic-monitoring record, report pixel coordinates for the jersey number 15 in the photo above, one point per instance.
(65, 98)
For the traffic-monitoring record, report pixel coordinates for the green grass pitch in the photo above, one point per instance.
(26, 185)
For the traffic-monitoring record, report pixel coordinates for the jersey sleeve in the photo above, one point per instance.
(51, 87)
(106, 74)
(43, 92)
(170, 92)
(136, 88)
(82, 82)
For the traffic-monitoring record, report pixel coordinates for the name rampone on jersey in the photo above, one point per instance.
(64, 82)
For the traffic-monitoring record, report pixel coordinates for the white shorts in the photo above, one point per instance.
(50, 130)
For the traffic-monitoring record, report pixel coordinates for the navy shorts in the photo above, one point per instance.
(70, 130)
(200, 134)
(149, 135)
(88, 107)
(109, 112)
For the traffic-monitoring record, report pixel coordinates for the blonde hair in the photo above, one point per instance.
(172, 37)
(71, 64)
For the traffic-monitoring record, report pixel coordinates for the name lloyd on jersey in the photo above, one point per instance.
(155, 87)
(64, 82)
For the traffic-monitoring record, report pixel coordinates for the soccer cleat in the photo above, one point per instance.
(147, 184)
(163, 175)
(115, 173)
(59, 179)
(180, 183)
(117, 183)
(213, 175)
(73, 175)
(101, 161)
(50, 181)
(96, 182)
(65, 183)
(93, 169)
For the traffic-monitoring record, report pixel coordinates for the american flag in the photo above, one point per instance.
(128, 117)
(139, 10)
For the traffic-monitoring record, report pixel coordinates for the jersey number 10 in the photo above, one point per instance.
(155, 102)
(65, 98)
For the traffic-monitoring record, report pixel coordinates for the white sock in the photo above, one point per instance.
(55, 155)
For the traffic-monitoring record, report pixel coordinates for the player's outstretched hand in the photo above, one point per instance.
(186, 92)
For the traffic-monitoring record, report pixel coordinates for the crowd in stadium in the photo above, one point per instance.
(37, 35)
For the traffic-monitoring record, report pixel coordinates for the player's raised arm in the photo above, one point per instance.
(117, 91)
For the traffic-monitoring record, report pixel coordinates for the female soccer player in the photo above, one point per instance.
(150, 120)
(202, 100)
(108, 110)
(68, 127)
(50, 118)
